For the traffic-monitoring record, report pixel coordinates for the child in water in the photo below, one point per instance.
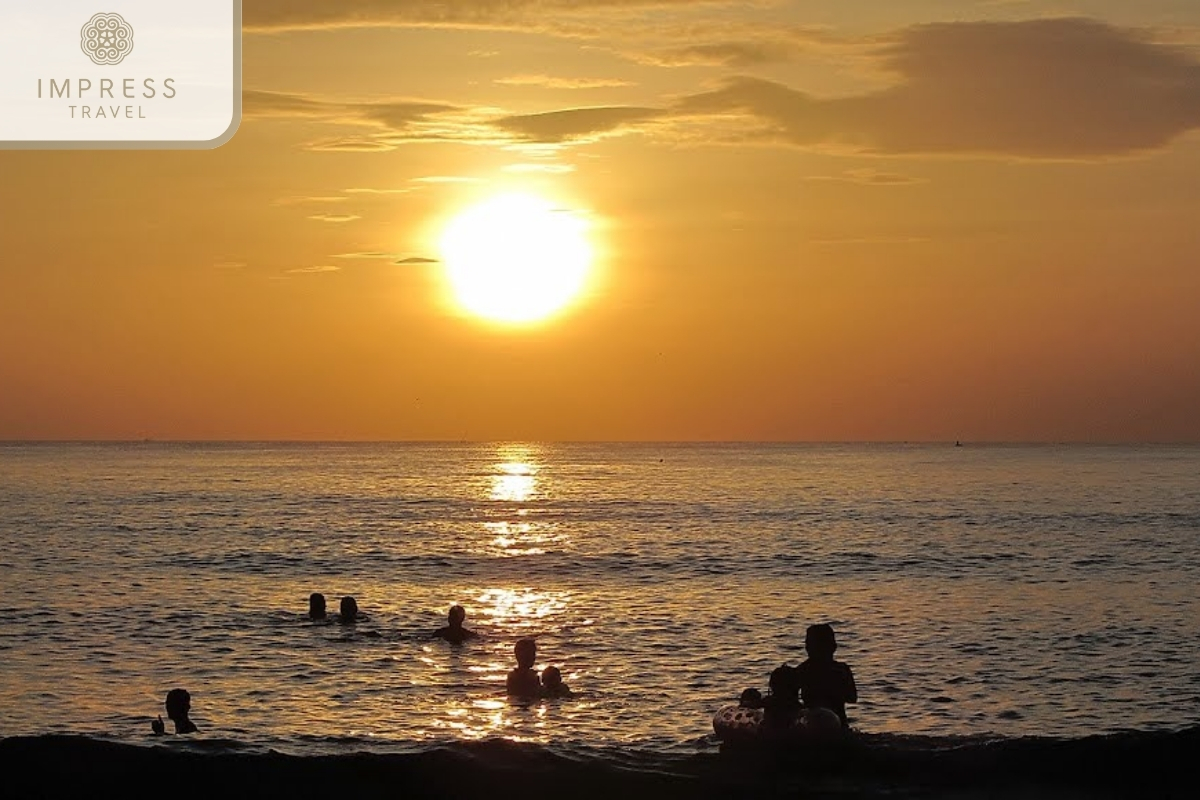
(552, 683)
(781, 706)
(523, 680)
(179, 703)
(823, 682)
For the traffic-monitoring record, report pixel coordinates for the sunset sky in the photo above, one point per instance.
(811, 220)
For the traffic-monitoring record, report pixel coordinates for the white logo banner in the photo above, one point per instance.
(120, 73)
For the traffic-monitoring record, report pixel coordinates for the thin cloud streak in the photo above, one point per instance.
(336, 218)
(284, 15)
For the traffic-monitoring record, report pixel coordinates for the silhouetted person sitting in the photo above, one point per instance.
(523, 681)
(823, 682)
(781, 706)
(316, 606)
(349, 611)
(552, 683)
(179, 703)
(455, 633)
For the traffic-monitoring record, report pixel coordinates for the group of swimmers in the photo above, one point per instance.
(522, 683)
(348, 608)
(817, 682)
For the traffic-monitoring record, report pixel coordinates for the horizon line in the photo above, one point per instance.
(781, 442)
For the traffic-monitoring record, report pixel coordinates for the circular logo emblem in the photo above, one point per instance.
(107, 39)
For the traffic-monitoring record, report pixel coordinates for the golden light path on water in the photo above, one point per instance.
(511, 613)
(514, 486)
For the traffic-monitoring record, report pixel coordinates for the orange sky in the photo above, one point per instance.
(816, 220)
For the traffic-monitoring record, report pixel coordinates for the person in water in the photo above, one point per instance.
(316, 606)
(751, 698)
(349, 611)
(823, 682)
(781, 706)
(179, 703)
(523, 680)
(455, 633)
(552, 683)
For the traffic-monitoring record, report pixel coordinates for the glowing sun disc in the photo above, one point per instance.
(516, 258)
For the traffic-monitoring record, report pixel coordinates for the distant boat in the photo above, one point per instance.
(957, 443)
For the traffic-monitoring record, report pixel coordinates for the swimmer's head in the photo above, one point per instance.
(349, 608)
(819, 641)
(316, 605)
(457, 615)
(179, 702)
(751, 698)
(526, 652)
(551, 677)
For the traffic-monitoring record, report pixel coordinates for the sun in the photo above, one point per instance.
(516, 258)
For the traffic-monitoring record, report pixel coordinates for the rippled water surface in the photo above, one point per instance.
(975, 590)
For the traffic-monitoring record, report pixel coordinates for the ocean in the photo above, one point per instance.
(996, 602)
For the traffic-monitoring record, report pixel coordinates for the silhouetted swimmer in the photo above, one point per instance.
(781, 706)
(455, 633)
(823, 682)
(179, 703)
(523, 681)
(316, 606)
(751, 698)
(552, 683)
(349, 611)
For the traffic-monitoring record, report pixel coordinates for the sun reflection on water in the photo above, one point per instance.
(511, 527)
(475, 706)
(521, 612)
(515, 480)
(469, 702)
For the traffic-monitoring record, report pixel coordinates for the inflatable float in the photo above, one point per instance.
(738, 724)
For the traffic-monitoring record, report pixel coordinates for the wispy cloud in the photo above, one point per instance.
(417, 260)
(275, 15)
(549, 82)
(869, 177)
(365, 190)
(316, 269)
(334, 217)
(576, 124)
(344, 144)
(299, 200)
(381, 125)
(368, 254)
(1046, 88)
(395, 114)
(718, 54)
(448, 179)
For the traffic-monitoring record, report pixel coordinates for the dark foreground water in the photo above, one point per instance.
(1008, 611)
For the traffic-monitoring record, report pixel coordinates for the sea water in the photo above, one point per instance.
(976, 591)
